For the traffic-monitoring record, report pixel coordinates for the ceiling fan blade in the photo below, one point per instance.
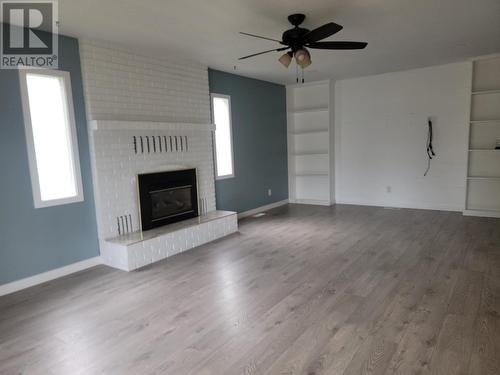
(261, 37)
(322, 32)
(260, 53)
(337, 45)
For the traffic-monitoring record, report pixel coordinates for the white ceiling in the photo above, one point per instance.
(401, 34)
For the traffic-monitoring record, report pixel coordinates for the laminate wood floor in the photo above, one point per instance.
(303, 290)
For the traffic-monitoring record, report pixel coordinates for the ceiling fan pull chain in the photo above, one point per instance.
(302, 75)
(297, 73)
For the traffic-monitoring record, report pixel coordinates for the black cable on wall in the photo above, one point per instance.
(430, 148)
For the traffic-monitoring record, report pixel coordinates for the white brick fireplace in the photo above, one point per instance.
(147, 115)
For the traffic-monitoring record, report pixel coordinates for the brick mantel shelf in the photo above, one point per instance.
(148, 125)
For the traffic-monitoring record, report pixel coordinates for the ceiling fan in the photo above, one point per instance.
(298, 39)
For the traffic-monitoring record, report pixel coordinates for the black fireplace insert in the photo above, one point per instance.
(167, 197)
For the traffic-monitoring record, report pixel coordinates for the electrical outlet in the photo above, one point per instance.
(269, 192)
(388, 189)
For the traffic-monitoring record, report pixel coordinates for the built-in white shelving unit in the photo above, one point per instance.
(483, 171)
(310, 157)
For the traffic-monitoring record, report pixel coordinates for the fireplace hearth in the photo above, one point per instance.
(167, 197)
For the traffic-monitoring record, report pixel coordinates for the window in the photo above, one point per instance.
(221, 112)
(51, 137)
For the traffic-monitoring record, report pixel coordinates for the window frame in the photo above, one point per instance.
(69, 109)
(228, 97)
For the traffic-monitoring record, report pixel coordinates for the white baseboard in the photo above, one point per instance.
(257, 210)
(401, 205)
(482, 213)
(48, 276)
(315, 202)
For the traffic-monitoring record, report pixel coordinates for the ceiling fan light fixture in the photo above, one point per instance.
(303, 58)
(306, 63)
(286, 59)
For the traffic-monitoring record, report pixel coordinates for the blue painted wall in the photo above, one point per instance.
(38, 240)
(259, 142)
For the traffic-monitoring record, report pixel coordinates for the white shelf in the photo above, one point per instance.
(308, 122)
(324, 131)
(481, 178)
(308, 110)
(483, 181)
(484, 136)
(309, 143)
(482, 150)
(485, 107)
(486, 92)
(485, 76)
(310, 153)
(484, 164)
(491, 121)
(302, 174)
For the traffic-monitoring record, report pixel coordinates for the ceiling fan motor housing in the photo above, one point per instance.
(294, 38)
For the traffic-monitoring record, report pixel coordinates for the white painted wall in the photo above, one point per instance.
(381, 131)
